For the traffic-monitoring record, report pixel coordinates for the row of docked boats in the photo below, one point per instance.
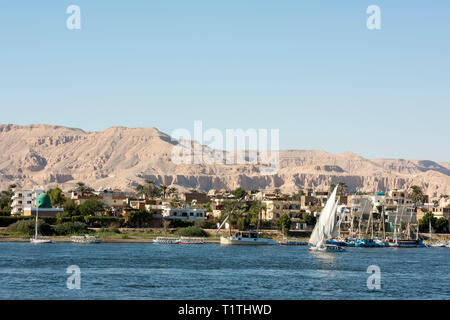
(181, 240)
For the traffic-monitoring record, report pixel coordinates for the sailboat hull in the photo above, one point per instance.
(41, 241)
(246, 241)
(328, 248)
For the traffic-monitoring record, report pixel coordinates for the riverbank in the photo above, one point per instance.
(136, 235)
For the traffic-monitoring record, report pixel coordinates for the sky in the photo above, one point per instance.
(311, 69)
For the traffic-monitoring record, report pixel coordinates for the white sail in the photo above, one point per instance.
(322, 230)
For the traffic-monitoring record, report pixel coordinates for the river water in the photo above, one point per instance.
(211, 271)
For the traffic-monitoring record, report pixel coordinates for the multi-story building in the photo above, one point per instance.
(184, 213)
(276, 208)
(24, 199)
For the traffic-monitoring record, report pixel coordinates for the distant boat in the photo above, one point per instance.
(407, 244)
(292, 242)
(337, 243)
(85, 239)
(439, 244)
(188, 240)
(246, 238)
(242, 237)
(166, 240)
(325, 228)
(36, 240)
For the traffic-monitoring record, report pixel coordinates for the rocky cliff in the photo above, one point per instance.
(121, 157)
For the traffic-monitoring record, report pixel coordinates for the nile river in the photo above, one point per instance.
(211, 271)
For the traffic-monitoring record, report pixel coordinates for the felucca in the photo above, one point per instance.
(325, 228)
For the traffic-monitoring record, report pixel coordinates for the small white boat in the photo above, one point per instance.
(327, 248)
(85, 239)
(166, 240)
(188, 240)
(439, 244)
(291, 242)
(40, 241)
(36, 240)
(246, 238)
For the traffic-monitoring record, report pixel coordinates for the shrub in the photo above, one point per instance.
(180, 223)
(6, 221)
(67, 228)
(192, 232)
(208, 224)
(26, 227)
(139, 218)
(101, 222)
(5, 212)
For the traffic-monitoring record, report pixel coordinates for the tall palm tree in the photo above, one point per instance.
(146, 189)
(172, 191)
(164, 190)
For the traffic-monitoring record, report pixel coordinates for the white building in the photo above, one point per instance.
(24, 199)
(186, 213)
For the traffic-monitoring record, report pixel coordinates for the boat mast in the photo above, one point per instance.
(429, 228)
(36, 224)
(360, 220)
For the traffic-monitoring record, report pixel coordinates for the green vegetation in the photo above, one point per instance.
(92, 207)
(438, 225)
(180, 223)
(70, 228)
(149, 189)
(192, 232)
(71, 208)
(417, 195)
(82, 187)
(309, 219)
(56, 197)
(26, 227)
(239, 193)
(5, 201)
(284, 223)
(138, 219)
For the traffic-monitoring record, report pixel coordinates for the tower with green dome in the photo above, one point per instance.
(43, 202)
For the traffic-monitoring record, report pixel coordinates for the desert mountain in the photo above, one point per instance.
(120, 157)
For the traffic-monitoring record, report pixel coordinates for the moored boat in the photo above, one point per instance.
(439, 244)
(37, 240)
(407, 244)
(292, 242)
(188, 240)
(40, 241)
(166, 240)
(328, 248)
(246, 238)
(337, 243)
(85, 239)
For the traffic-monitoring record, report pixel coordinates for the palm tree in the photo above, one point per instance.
(417, 195)
(82, 187)
(171, 191)
(147, 189)
(277, 192)
(164, 190)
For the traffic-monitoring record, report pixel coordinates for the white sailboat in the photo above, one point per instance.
(36, 240)
(242, 237)
(325, 228)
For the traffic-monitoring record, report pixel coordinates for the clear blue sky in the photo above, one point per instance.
(309, 68)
